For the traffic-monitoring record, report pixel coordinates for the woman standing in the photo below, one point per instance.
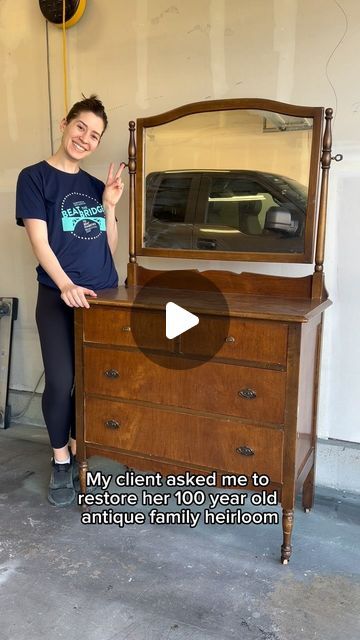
(69, 217)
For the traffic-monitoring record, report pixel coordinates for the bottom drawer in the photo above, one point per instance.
(196, 440)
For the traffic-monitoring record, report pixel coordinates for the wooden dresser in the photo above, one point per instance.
(236, 394)
(252, 407)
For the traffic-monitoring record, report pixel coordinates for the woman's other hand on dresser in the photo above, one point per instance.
(74, 296)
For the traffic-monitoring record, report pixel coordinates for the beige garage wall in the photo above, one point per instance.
(148, 56)
(229, 140)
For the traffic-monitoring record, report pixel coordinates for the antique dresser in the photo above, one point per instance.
(240, 180)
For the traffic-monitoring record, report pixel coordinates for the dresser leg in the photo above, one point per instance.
(308, 491)
(83, 468)
(287, 523)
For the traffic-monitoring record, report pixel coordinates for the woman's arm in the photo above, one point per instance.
(73, 295)
(111, 226)
(114, 188)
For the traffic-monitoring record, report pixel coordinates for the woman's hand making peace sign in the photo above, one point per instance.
(114, 187)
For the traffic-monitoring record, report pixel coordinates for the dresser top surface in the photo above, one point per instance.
(203, 302)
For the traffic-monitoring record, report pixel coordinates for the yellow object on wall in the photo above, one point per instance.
(77, 15)
(62, 13)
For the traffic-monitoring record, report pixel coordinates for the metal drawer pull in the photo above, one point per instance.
(229, 339)
(112, 424)
(248, 394)
(245, 451)
(111, 373)
(126, 328)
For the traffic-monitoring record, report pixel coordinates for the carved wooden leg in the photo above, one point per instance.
(287, 523)
(83, 468)
(308, 491)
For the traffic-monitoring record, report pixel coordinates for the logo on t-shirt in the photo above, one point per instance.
(82, 216)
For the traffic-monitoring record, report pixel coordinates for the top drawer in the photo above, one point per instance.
(109, 325)
(248, 340)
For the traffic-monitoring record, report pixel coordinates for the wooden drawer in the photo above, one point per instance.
(194, 440)
(106, 325)
(250, 393)
(254, 341)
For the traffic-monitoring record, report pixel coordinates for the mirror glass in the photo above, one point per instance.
(232, 180)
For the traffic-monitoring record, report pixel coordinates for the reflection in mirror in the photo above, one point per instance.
(233, 180)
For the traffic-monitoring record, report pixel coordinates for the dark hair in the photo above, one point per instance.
(92, 104)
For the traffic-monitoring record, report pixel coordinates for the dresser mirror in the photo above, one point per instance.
(233, 179)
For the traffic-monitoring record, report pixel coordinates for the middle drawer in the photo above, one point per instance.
(246, 392)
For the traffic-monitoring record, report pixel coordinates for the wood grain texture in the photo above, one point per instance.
(246, 340)
(103, 326)
(181, 438)
(211, 387)
(262, 307)
(254, 284)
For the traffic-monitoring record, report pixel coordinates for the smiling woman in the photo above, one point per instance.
(81, 135)
(82, 129)
(69, 216)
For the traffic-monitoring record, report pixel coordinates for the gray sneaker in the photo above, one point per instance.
(61, 488)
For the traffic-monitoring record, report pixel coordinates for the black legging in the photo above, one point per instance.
(55, 322)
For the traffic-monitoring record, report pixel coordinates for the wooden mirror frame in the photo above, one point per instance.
(314, 204)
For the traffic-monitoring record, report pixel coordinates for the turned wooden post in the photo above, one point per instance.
(287, 524)
(83, 468)
(132, 204)
(318, 277)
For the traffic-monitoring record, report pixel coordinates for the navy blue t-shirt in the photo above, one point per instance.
(71, 205)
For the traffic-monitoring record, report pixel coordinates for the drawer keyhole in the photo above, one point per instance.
(247, 394)
(112, 424)
(111, 373)
(245, 451)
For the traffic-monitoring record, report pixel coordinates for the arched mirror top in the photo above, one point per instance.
(229, 180)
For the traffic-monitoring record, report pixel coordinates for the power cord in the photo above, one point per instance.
(342, 38)
(20, 415)
(65, 57)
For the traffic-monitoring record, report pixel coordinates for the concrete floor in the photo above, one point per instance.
(62, 579)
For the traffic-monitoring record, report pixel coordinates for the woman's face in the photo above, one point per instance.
(81, 136)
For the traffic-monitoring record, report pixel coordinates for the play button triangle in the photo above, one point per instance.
(178, 320)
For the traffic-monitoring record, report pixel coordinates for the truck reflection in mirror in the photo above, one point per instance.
(225, 211)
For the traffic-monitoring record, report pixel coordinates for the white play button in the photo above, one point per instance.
(178, 320)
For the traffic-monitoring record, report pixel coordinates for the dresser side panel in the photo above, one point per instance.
(306, 423)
